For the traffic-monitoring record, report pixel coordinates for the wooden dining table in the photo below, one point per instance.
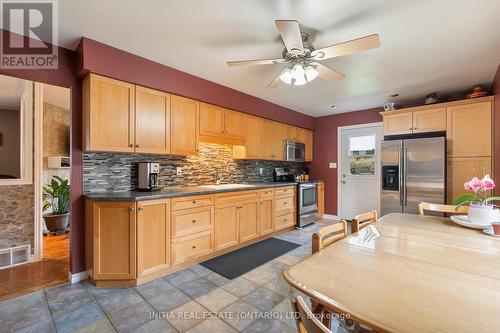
(408, 273)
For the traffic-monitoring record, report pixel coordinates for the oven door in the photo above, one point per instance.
(308, 198)
(295, 151)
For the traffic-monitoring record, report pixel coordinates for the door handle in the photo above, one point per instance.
(343, 182)
(405, 177)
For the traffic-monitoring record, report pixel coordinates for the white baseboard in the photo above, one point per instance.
(74, 278)
(330, 217)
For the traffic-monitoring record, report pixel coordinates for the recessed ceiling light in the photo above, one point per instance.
(333, 106)
(395, 95)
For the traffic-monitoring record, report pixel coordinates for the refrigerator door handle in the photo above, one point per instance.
(405, 176)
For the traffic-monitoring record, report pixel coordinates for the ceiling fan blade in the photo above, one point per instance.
(291, 36)
(274, 83)
(256, 62)
(352, 46)
(327, 73)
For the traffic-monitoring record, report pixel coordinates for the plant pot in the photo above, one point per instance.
(483, 215)
(56, 223)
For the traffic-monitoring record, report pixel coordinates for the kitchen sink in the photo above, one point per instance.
(227, 186)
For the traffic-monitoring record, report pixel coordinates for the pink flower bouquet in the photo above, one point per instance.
(478, 197)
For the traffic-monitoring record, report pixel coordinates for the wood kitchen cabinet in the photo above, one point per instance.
(221, 125)
(184, 124)
(309, 145)
(226, 225)
(153, 236)
(321, 198)
(248, 220)
(266, 213)
(111, 237)
(433, 120)
(152, 121)
(272, 136)
(461, 170)
(284, 207)
(253, 132)
(469, 130)
(398, 123)
(108, 114)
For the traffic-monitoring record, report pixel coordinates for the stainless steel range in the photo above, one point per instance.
(307, 196)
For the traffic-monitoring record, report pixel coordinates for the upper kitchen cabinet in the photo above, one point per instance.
(469, 130)
(306, 137)
(221, 125)
(184, 123)
(292, 133)
(253, 132)
(108, 114)
(152, 121)
(398, 123)
(272, 136)
(433, 120)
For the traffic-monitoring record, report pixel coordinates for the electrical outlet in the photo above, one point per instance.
(261, 171)
(179, 171)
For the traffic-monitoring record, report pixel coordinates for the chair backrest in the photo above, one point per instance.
(362, 220)
(306, 321)
(423, 206)
(326, 236)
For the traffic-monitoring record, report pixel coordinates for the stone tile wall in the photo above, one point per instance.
(16, 215)
(115, 172)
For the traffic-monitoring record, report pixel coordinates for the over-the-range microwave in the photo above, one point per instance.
(295, 151)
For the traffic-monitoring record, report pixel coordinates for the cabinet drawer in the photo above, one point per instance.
(284, 221)
(192, 201)
(236, 197)
(266, 193)
(190, 221)
(192, 246)
(284, 191)
(285, 205)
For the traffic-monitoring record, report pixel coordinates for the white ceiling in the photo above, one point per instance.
(426, 45)
(11, 90)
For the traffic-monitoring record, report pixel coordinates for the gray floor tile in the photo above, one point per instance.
(212, 325)
(239, 314)
(68, 300)
(155, 326)
(240, 286)
(286, 312)
(200, 270)
(153, 288)
(78, 318)
(100, 326)
(169, 300)
(113, 299)
(263, 298)
(288, 259)
(198, 287)
(181, 277)
(131, 317)
(23, 311)
(46, 326)
(280, 286)
(217, 279)
(275, 267)
(259, 276)
(216, 299)
(269, 326)
(63, 289)
(302, 252)
(195, 314)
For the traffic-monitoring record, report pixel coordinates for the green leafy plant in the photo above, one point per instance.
(59, 192)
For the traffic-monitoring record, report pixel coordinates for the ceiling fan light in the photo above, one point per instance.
(286, 76)
(298, 75)
(311, 73)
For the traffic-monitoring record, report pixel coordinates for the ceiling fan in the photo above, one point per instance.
(304, 58)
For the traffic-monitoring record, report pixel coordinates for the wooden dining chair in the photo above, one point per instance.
(423, 206)
(306, 321)
(328, 235)
(362, 220)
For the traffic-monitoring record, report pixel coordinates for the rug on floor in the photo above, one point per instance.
(238, 262)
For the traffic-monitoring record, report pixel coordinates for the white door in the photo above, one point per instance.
(359, 172)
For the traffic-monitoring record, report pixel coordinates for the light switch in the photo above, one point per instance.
(179, 171)
(333, 165)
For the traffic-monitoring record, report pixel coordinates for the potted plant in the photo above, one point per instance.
(481, 208)
(59, 197)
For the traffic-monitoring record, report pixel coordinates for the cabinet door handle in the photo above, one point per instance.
(285, 203)
(137, 145)
(194, 221)
(131, 209)
(194, 201)
(140, 208)
(131, 145)
(194, 247)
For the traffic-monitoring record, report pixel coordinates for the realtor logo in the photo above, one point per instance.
(29, 34)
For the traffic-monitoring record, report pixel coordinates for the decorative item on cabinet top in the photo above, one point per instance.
(476, 92)
(154, 122)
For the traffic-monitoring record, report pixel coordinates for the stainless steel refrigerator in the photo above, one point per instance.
(413, 170)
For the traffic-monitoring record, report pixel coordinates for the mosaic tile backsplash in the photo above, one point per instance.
(117, 172)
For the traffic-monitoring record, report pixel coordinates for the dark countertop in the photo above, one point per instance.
(172, 192)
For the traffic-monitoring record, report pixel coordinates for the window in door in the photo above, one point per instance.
(362, 155)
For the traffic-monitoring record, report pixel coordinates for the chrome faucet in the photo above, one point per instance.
(218, 177)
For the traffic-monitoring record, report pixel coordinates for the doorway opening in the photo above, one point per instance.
(34, 135)
(359, 169)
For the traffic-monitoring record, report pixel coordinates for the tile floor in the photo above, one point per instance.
(192, 300)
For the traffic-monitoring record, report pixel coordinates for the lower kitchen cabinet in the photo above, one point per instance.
(153, 236)
(266, 212)
(111, 236)
(461, 170)
(248, 220)
(192, 246)
(226, 225)
(321, 198)
(284, 207)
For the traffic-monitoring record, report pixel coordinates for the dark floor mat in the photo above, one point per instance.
(238, 262)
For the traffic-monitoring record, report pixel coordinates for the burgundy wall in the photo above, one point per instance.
(495, 90)
(65, 76)
(325, 149)
(105, 60)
